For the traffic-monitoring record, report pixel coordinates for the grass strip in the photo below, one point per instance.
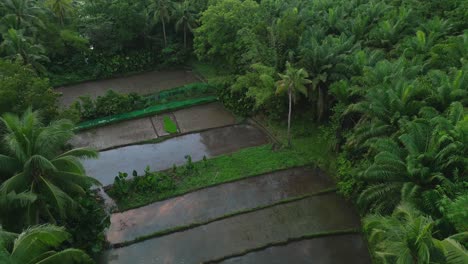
(285, 242)
(236, 213)
(157, 109)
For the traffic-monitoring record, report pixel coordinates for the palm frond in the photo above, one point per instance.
(61, 200)
(80, 153)
(37, 240)
(67, 256)
(454, 251)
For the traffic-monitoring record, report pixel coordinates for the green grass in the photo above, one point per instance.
(312, 148)
(169, 125)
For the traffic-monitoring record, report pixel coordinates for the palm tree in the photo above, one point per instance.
(162, 10)
(406, 237)
(427, 155)
(61, 8)
(35, 163)
(25, 13)
(20, 48)
(37, 245)
(293, 81)
(186, 15)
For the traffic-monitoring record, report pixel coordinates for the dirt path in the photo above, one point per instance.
(214, 202)
(144, 83)
(317, 214)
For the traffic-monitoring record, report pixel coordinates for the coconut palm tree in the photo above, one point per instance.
(406, 237)
(25, 13)
(35, 163)
(38, 245)
(61, 8)
(17, 47)
(162, 11)
(186, 18)
(293, 81)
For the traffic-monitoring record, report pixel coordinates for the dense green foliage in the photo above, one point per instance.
(406, 237)
(38, 244)
(71, 41)
(390, 76)
(41, 181)
(21, 87)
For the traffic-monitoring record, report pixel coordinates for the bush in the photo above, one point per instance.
(88, 225)
(92, 65)
(148, 183)
(111, 103)
(21, 87)
(237, 102)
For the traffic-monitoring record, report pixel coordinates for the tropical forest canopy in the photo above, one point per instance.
(388, 77)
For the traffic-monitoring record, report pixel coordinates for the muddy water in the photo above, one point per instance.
(321, 213)
(214, 202)
(323, 250)
(163, 155)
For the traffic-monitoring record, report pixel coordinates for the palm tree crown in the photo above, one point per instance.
(406, 237)
(24, 13)
(35, 163)
(37, 245)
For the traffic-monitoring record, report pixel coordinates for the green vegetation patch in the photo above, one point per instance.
(169, 125)
(311, 149)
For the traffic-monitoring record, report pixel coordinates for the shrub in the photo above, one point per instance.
(21, 87)
(150, 182)
(88, 225)
(111, 103)
(92, 65)
(237, 102)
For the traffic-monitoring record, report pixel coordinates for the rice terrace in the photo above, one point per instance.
(233, 131)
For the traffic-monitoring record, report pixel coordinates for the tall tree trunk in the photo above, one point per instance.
(61, 16)
(185, 36)
(164, 31)
(289, 116)
(321, 103)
